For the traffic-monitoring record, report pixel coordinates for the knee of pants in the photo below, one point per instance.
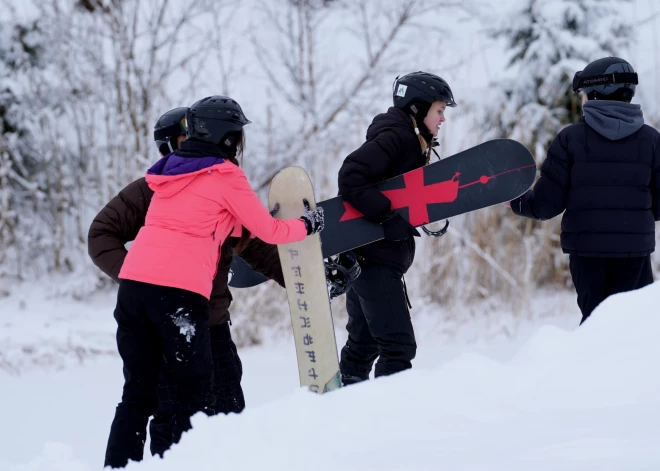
(160, 430)
(196, 401)
(145, 404)
(398, 351)
(230, 399)
(359, 354)
(411, 352)
(195, 374)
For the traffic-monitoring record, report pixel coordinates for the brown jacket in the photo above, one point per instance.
(121, 219)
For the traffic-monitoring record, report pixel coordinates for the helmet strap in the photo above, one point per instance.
(620, 94)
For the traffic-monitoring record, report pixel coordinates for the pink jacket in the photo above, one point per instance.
(197, 204)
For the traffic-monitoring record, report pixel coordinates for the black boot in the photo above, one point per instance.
(347, 380)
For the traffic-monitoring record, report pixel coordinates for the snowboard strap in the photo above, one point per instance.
(439, 233)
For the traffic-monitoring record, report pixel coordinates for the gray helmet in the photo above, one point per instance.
(609, 78)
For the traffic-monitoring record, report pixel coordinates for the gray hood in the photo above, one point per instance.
(613, 119)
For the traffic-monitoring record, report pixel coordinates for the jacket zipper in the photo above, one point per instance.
(215, 270)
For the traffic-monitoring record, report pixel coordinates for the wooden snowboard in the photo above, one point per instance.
(307, 292)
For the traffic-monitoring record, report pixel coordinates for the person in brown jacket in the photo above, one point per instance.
(118, 223)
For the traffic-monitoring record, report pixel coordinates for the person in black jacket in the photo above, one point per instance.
(604, 172)
(398, 141)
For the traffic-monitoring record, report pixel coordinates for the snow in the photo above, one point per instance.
(560, 398)
(46, 331)
(181, 319)
(507, 383)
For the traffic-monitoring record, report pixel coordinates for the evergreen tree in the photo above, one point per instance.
(549, 41)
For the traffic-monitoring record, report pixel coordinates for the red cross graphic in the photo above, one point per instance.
(415, 196)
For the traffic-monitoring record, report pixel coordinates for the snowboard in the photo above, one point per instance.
(241, 275)
(307, 292)
(491, 173)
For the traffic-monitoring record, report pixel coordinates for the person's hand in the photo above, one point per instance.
(507, 204)
(395, 228)
(313, 218)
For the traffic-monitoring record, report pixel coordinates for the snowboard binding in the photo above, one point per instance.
(340, 272)
(439, 233)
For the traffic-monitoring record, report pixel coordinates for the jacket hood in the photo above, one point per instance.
(395, 118)
(613, 119)
(173, 173)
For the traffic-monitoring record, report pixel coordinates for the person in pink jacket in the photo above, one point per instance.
(201, 197)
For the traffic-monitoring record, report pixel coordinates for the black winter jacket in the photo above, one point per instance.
(605, 173)
(392, 148)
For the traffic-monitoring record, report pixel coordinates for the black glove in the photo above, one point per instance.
(313, 218)
(395, 228)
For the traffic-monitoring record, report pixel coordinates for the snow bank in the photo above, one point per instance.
(587, 400)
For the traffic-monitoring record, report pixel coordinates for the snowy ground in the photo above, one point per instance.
(548, 397)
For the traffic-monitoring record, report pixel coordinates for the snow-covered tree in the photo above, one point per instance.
(22, 59)
(80, 87)
(549, 41)
(83, 81)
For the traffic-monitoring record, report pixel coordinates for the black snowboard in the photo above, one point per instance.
(241, 275)
(491, 173)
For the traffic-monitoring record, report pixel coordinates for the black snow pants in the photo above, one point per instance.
(379, 325)
(157, 324)
(228, 371)
(596, 278)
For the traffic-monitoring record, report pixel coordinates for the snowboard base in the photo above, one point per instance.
(307, 292)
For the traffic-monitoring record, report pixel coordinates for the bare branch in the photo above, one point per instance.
(404, 16)
(365, 27)
(264, 63)
(648, 19)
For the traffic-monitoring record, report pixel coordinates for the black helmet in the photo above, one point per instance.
(213, 118)
(609, 78)
(420, 88)
(168, 127)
